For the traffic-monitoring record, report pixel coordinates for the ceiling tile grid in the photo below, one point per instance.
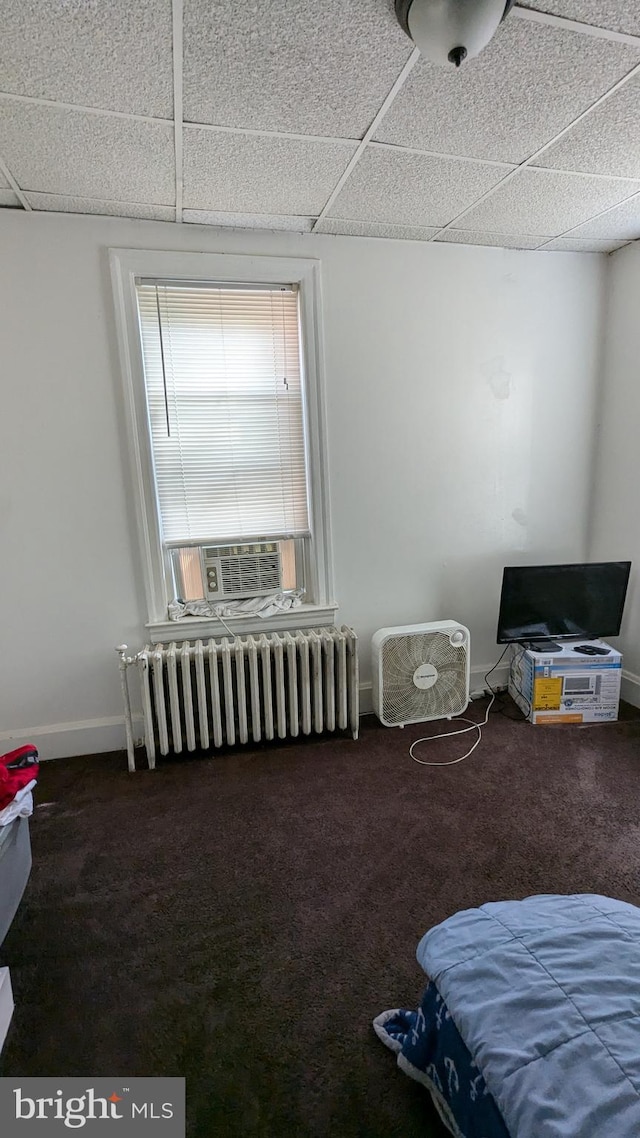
(324, 118)
(304, 67)
(58, 203)
(291, 223)
(606, 142)
(617, 15)
(573, 245)
(412, 189)
(503, 240)
(527, 85)
(622, 223)
(546, 202)
(341, 226)
(117, 55)
(75, 153)
(258, 174)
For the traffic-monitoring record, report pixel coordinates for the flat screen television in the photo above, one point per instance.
(562, 602)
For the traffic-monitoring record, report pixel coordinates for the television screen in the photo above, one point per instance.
(560, 602)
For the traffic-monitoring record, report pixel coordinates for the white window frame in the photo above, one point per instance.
(126, 266)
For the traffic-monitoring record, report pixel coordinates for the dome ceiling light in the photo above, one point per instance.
(450, 31)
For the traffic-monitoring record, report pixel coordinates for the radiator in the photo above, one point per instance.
(202, 695)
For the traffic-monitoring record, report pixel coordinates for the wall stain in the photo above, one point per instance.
(497, 376)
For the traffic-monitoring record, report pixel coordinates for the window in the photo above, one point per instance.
(221, 363)
(223, 380)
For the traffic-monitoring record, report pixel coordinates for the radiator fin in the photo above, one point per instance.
(201, 696)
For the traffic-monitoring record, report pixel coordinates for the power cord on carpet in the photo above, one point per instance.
(448, 734)
(473, 726)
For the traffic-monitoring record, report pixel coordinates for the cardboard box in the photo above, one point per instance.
(566, 686)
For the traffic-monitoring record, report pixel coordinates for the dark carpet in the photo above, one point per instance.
(240, 919)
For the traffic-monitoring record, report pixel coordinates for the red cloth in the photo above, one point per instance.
(13, 779)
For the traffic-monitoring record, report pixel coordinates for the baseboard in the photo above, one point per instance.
(366, 698)
(498, 677)
(6, 1004)
(63, 740)
(98, 736)
(630, 688)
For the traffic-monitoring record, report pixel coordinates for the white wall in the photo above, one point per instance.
(615, 529)
(461, 387)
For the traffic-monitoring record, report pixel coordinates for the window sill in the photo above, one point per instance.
(204, 627)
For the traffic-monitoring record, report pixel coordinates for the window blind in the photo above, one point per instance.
(225, 404)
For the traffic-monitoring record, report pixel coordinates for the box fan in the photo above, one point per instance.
(420, 672)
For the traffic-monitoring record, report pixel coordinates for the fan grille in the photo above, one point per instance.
(402, 701)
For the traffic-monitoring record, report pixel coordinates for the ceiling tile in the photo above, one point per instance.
(617, 15)
(622, 222)
(305, 67)
(249, 220)
(572, 245)
(8, 198)
(606, 142)
(90, 155)
(254, 174)
(390, 186)
(529, 83)
(372, 229)
(546, 202)
(116, 55)
(59, 204)
(502, 240)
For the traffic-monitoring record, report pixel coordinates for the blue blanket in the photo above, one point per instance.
(545, 995)
(430, 1050)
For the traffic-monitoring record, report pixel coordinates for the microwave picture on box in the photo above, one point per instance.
(582, 684)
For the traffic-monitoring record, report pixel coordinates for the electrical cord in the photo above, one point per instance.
(498, 661)
(473, 726)
(501, 706)
(515, 686)
(234, 635)
(448, 734)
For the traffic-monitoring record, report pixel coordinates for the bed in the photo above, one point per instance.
(529, 1026)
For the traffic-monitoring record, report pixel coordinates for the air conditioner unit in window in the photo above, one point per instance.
(235, 571)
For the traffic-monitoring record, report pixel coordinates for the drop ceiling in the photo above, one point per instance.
(307, 116)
